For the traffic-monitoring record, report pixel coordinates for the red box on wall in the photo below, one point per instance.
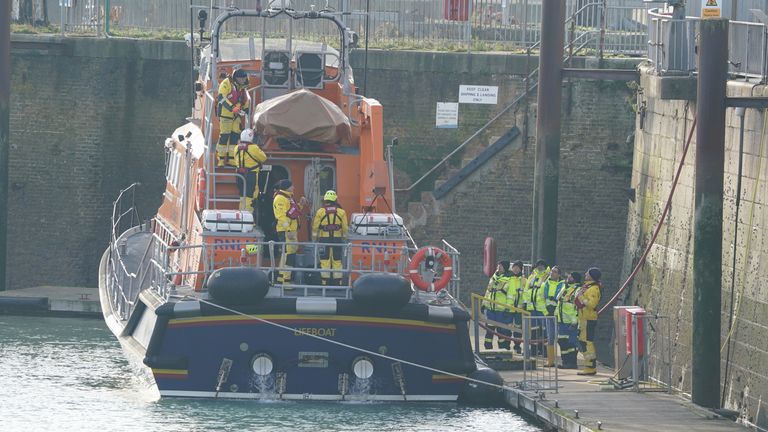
(456, 10)
(640, 314)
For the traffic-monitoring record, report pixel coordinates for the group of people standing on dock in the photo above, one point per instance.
(547, 292)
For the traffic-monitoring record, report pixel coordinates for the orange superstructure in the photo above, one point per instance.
(202, 203)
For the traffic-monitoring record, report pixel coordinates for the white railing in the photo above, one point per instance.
(471, 24)
(672, 46)
(748, 50)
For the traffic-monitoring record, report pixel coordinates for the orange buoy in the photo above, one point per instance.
(434, 254)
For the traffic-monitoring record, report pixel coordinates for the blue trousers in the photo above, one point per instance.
(568, 336)
(504, 318)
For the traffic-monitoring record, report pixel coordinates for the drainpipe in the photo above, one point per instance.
(740, 113)
(5, 111)
(106, 17)
(708, 219)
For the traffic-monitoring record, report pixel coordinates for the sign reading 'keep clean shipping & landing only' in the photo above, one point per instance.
(473, 94)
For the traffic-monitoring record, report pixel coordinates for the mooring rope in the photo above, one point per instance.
(352, 347)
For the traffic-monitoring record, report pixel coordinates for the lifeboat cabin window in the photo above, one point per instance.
(317, 180)
(172, 169)
(327, 178)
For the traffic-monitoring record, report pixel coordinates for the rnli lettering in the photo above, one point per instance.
(323, 332)
(380, 246)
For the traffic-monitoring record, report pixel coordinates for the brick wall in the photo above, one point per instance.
(664, 284)
(409, 84)
(596, 152)
(88, 118)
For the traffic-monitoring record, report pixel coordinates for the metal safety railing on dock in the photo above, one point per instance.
(672, 46)
(539, 340)
(534, 336)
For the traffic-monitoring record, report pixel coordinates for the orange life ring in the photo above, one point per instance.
(201, 186)
(437, 254)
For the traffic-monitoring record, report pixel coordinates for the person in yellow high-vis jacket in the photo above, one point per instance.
(287, 214)
(515, 289)
(535, 304)
(495, 308)
(330, 226)
(545, 302)
(249, 158)
(568, 321)
(233, 104)
(586, 301)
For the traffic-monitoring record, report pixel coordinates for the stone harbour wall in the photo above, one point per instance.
(664, 283)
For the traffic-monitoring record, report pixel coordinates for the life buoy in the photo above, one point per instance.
(435, 254)
(489, 256)
(201, 186)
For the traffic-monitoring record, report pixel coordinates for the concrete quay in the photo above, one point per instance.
(51, 300)
(584, 404)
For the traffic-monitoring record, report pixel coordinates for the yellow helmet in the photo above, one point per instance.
(252, 249)
(330, 196)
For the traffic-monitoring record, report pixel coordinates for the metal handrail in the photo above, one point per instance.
(213, 176)
(477, 298)
(571, 18)
(349, 268)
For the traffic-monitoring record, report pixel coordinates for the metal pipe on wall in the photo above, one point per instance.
(708, 219)
(5, 112)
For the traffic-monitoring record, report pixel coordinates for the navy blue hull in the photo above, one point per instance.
(186, 354)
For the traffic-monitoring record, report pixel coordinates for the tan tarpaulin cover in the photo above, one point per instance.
(302, 114)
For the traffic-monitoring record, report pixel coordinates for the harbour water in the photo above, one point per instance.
(69, 374)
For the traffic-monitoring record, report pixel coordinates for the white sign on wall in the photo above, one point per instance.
(447, 115)
(473, 94)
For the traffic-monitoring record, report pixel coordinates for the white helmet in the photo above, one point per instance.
(246, 135)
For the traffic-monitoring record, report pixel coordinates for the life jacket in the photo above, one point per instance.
(293, 212)
(249, 157)
(237, 94)
(326, 224)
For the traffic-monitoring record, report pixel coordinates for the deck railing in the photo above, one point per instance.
(388, 259)
(160, 268)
